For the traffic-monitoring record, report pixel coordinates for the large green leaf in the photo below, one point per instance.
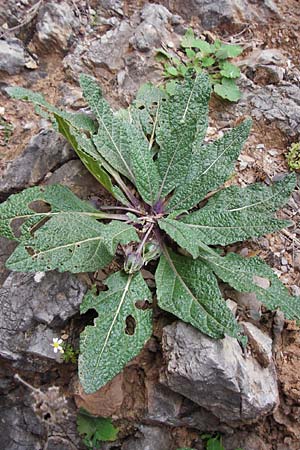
(71, 242)
(119, 332)
(256, 198)
(182, 119)
(188, 289)
(245, 275)
(121, 144)
(219, 228)
(209, 167)
(36, 204)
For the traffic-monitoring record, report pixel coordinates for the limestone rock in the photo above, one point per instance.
(12, 56)
(30, 313)
(55, 26)
(108, 51)
(219, 12)
(152, 29)
(149, 438)
(45, 151)
(215, 375)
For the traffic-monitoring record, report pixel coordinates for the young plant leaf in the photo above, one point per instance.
(229, 70)
(119, 332)
(228, 90)
(71, 242)
(188, 289)
(209, 167)
(96, 429)
(228, 51)
(182, 118)
(246, 274)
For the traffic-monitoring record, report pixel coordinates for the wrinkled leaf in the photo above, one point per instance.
(70, 242)
(247, 275)
(229, 70)
(182, 118)
(209, 167)
(36, 204)
(121, 144)
(188, 289)
(119, 332)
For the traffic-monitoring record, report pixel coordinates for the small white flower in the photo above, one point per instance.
(39, 276)
(57, 347)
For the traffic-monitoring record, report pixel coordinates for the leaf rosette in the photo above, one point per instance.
(170, 212)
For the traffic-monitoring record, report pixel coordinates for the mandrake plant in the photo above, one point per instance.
(154, 160)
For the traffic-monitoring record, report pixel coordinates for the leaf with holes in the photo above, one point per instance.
(119, 332)
(154, 159)
(71, 242)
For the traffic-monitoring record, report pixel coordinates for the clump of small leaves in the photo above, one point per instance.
(70, 355)
(199, 55)
(95, 430)
(293, 157)
(154, 160)
(6, 130)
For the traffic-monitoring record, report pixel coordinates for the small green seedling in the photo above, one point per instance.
(69, 355)
(199, 55)
(161, 172)
(95, 430)
(213, 443)
(293, 157)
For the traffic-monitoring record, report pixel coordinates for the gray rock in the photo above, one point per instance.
(30, 312)
(213, 13)
(112, 5)
(45, 152)
(6, 249)
(152, 30)
(265, 66)
(56, 23)
(149, 438)
(19, 427)
(75, 176)
(170, 408)
(260, 343)
(279, 105)
(108, 51)
(215, 375)
(12, 56)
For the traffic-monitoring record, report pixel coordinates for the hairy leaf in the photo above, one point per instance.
(246, 274)
(219, 228)
(256, 198)
(188, 289)
(70, 242)
(121, 144)
(119, 332)
(36, 204)
(209, 167)
(182, 118)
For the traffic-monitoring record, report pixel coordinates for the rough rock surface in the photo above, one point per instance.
(217, 376)
(220, 12)
(31, 311)
(56, 24)
(45, 152)
(149, 438)
(12, 56)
